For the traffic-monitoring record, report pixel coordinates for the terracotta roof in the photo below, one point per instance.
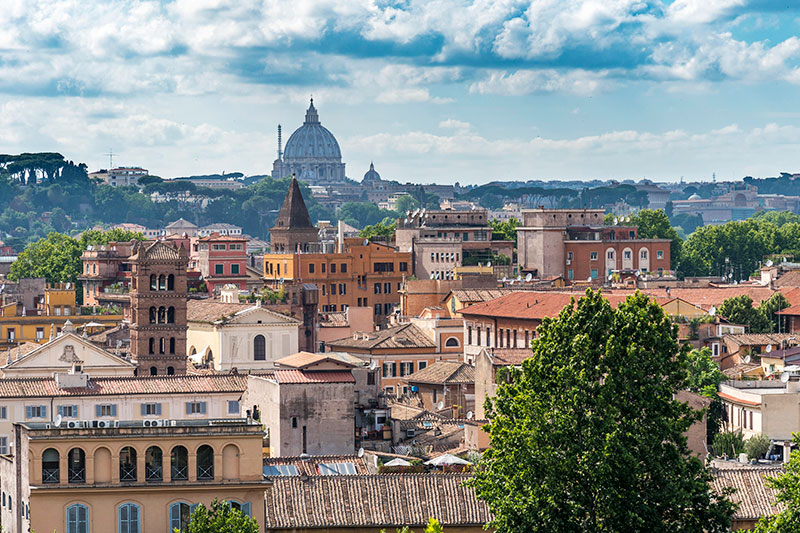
(293, 213)
(734, 399)
(309, 466)
(16, 352)
(789, 279)
(444, 372)
(707, 297)
(530, 305)
(203, 384)
(373, 501)
(792, 295)
(213, 311)
(510, 356)
(102, 337)
(470, 296)
(757, 339)
(157, 250)
(216, 237)
(301, 360)
(298, 376)
(404, 336)
(753, 497)
(333, 320)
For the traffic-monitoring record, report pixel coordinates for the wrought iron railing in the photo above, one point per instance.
(51, 475)
(153, 473)
(77, 475)
(180, 473)
(205, 472)
(127, 472)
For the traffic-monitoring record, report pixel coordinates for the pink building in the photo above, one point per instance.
(222, 261)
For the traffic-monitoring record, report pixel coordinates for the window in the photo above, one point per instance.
(387, 288)
(152, 347)
(383, 267)
(218, 247)
(569, 256)
(377, 288)
(333, 289)
(219, 268)
(129, 518)
(3, 412)
(68, 411)
(179, 463)
(77, 518)
(343, 288)
(35, 411)
(371, 378)
(153, 464)
(387, 308)
(389, 370)
(233, 407)
(3, 445)
(377, 309)
(627, 254)
(171, 282)
(594, 273)
(162, 282)
(195, 408)
(108, 409)
(611, 254)
(172, 345)
(406, 368)
(235, 268)
(344, 268)
(569, 274)
(311, 268)
(593, 256)
(333, 268)
(205, 463)
(76, 466)
(151, 409)
(12, 334)
(179, 514)
(451, 342)
(50, 466)
(631, 234)
(259, 348)
(660, 254)
(39, 334)
(171, 315)
(243, 507)
(421, 365)
(643, 253)
(323, 289)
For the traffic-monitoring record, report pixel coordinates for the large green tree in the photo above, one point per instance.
(704, 378)
(740, 310)
(587, 434)
(787, 486)
(220, 518)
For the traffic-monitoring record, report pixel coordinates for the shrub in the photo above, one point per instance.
(729, 443)
(757, 446)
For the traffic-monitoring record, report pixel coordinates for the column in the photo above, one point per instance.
(140, 472)
(115, 467)
(217, 466)
(62, 467)
(192, 465)
(166, 466)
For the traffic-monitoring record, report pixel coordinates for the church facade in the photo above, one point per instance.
(312, 153)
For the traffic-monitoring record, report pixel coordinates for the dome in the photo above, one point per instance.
(695, 196)
(312, 140)
(371, 175)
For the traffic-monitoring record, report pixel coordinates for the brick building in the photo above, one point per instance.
(575, 244)
(105, 268)
(158, 308)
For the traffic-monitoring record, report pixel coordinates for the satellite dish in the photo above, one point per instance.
(528, 278)
(433, 275)
(440, 405)
(610, 277)
(57, 421)
(366, 242)
(712, 311)
(769, 263)
(488, 264)
(361, 452)
(615, 221)
(511, 282)
(373, 365)
(589, 279)
(769, 348)
(505, 279)
(785, 377)
(747, 359)
(470, 414)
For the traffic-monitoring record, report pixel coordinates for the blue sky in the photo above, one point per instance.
(431, 90)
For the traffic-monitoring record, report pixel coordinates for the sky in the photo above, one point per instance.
(430, 90)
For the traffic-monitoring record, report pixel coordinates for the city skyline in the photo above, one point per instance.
(438, 91)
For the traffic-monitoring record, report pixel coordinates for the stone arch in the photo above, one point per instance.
(627, 258)
(230, 462)
(611, 260)
(644, 259)
(452, 342)
(102, 465)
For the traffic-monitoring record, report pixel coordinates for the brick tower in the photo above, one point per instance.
(293, 230)
(158, 308)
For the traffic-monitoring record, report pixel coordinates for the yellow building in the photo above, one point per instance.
(131, 478)
(19, 325)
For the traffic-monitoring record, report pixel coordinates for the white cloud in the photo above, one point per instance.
(532, 81)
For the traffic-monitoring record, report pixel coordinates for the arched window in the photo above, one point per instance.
(152, 346)
(179, 513)
(170, 371)
(77, 518)
(153, 371)
(153, 466)
(259, 348)
(244, 507)
(162, 283)
(171, 282)
(127, 464)
(171, 315)
(129, 518)
(451, 342)
(230, 462)
(161, 345)
(179, 462)
(153, 284)
(76, 462)
(153, 315)
(50, 466)
(102, 465)
(172, 345)
(205, 463)
(162, 315)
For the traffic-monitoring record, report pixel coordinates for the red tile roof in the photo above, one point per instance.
(403, 336)
(310, 465)
(753, 497)
(298, 376)
(710, 296)
(734, 399)
(115, 386)
(529, 305)
(444, 372)
(510, 356)
(301, 360)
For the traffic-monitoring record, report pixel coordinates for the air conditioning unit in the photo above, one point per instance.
(569, 261)
(105, 423)
(411, 432)
(72, 424)
(153, 423)
(168, 423)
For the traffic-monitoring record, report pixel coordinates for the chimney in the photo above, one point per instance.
(340, 227)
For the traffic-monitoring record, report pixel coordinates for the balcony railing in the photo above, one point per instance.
(51, 475)
(205, 473)
(179, 473)
(153, 473)
(77, 475)
(127, 472)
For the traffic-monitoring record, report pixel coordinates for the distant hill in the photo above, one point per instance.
(30, 168)
(230, 175)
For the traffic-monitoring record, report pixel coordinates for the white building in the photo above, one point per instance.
(241, 336)
(221, 228)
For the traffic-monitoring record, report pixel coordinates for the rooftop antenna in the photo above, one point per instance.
(110, 155)
(280, 143)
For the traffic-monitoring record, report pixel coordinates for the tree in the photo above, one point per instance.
(787, 486)
(57, 258)
(385, 228)
(729, 443)
(757, 446)
(704, 378)
(405, 203)
(740, 310)
(587, 434)
(507, 229)
(221, 518)
(772, 305)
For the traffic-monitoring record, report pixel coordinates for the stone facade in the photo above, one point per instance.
(158, 308)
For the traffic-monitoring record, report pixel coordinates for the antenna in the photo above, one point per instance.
(110, 155)
(589, 279)
(488, 264)
(361, 452)
(57, 421)
(785, 377)
(769, 263)
(366, 242)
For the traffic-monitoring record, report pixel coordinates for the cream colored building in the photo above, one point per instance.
(133, 478)
(242, 336)
(82, 401)
(59, 354)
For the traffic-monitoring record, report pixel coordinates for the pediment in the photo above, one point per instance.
(63, 351)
